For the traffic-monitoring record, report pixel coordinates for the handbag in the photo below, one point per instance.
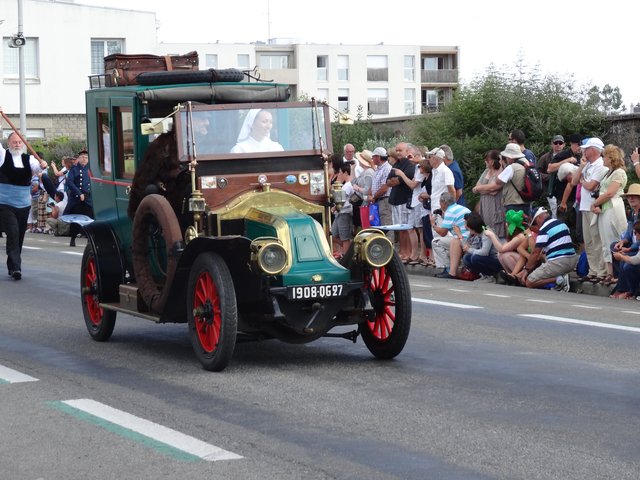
(355, 199)
(374, 215)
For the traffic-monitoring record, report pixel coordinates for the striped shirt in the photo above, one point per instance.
(454, 216)
(554, 240)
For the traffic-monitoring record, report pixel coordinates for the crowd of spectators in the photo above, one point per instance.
(536, 244)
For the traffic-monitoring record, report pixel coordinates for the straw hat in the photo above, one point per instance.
(364, 157)
(634, 189)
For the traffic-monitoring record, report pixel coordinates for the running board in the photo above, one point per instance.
(117, 307)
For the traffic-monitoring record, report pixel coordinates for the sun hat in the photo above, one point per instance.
(512, 150)
(364, 157)
(634, 189)
(436, 152)
(539, 212)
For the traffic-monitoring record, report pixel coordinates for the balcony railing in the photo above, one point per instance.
(380, 107)
(439, 76)
(377, 74)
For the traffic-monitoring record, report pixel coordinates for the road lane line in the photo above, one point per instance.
(459, 290)
(129, 425)
(582, 322)
(496, 295)
(535, 300)
(25, 247)
(71, 253)
(8, 375)
(444, 304)
(631, 311)
(587, 306)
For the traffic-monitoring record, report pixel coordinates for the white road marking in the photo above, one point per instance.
(459, 290)
(421, 285)
(582, 322)
(630, 311)
(152, 430)
(71, 253)
(496, 295)
(587, 306)
(31, 248)
(539, 301)
(10, 375)
(444, 304)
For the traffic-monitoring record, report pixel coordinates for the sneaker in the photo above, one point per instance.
(444, 274)
(485, 279)
(16, 275)
(562, 283)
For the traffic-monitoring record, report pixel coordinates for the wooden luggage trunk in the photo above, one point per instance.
(121, 69)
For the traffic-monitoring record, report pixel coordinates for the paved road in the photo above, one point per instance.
(495, 382)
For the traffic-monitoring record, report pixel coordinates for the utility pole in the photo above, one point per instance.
(268, 21)
(23, 108)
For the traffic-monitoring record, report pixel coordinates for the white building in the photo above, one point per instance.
(66, 42)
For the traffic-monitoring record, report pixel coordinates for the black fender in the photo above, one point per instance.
(108, 255)
(234, 250)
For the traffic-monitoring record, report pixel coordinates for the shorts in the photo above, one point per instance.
(399, 214)
(342, 226)
(553, 268)
(415, 216)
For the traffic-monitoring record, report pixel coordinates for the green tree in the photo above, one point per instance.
(482, 114)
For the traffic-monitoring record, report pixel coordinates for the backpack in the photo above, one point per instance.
(532, 188)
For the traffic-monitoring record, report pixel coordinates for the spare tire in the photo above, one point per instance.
(155, 220)
(190, 76)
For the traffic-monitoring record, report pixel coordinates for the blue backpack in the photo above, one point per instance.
(582, 268)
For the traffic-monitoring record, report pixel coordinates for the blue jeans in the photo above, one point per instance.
(629, 278)
(482, 264)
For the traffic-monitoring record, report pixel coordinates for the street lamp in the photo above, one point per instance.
(18, 41)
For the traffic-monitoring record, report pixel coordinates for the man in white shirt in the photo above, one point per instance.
(16, 171)
(589, 175)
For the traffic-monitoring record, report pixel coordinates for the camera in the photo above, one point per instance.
(17, 41)
(595, 194)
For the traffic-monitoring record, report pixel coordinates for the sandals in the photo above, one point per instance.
(609, 280)
(621, 295)
(413, 261)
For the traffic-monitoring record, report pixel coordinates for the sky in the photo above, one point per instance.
(595, 42)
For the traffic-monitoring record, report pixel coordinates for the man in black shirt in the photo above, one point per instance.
(400, 196)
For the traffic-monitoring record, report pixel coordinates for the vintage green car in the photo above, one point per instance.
(201, 219)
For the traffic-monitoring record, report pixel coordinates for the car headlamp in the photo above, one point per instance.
(269, 255)
(373, 248)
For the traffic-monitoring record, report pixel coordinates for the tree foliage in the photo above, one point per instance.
(482, 114)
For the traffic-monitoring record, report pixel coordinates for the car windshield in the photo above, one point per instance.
(223, 131)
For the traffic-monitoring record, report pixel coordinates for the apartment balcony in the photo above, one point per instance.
(439, 76)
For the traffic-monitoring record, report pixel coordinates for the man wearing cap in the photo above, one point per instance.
(554, 241)
(379, 188)
(557, 144)
(590, 173)
(511, 179)
(79, 185)
(16, 171)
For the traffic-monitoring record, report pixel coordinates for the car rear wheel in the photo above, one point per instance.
(99, 322)
(212, 311)
(386, 333)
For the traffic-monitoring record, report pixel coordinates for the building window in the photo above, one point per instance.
(343, 100)
(430, 100)
(343, 67)
(409, 68)
(377, 68)
(211, 60)
(243, 61)
(322, 64)
(433, 63)
(274, 62)
(32, 133)
(102, 47)
(378, 101)
(323, 94)
(31, 61)
(409, 101)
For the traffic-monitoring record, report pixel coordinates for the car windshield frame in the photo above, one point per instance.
(221, 131)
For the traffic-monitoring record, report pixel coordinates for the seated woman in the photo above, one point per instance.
(255, 134)
(629, 270)
(508, 255)
(480, 255)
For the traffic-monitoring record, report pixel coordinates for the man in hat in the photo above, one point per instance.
(554, 241)
(400, 195)
(557, 144)
(379, 188)
(590, 173)
(16, 171)
(511, 179)
(79, 185)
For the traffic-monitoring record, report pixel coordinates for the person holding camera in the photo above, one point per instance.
(55, 225)
(79, 186)
(590, 173)
(400, 195)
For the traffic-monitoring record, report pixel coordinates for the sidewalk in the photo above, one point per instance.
(575, 285)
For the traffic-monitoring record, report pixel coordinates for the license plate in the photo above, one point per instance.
(304, 292)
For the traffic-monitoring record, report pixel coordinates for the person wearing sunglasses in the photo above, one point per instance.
(548, 178)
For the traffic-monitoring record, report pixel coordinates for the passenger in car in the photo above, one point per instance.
(255, 134)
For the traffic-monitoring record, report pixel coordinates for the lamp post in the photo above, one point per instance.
(23, 108)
